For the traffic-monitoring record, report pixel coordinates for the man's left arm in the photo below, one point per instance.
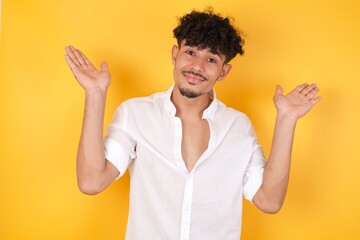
(271, 194)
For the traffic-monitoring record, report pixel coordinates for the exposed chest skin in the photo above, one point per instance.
(195, 140)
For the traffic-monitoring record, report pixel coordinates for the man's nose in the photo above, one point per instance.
(198, 64)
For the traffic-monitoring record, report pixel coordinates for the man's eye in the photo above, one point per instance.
(211, 60)
(190, 52)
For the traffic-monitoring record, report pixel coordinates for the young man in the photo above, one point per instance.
(190, 158)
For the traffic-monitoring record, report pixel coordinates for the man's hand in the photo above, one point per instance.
(297, 102)
(84, 71)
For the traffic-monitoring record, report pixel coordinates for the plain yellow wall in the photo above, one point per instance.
(287, 43)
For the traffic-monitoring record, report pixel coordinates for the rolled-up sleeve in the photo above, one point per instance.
(119, 145)
(253, 176)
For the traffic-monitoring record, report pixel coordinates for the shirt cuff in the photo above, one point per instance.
(117, 155)
(252, 186)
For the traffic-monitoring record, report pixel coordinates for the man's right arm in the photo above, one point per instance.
(94, 172)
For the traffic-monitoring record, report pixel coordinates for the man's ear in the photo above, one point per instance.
(174, 52)
(224, 72)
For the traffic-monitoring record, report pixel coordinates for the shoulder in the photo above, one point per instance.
(139, 108)
(156, 97)
(234, 120)
(225, 112)
(143, 104)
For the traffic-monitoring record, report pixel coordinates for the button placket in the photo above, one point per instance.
(186, 209)
(177, 144)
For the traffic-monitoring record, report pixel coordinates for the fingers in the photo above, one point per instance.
(301, 87)
(71, 56)
(71, 64)
(75, 58)
(86, 60)
(308, 91)
(79, 58)
(315, 100)
(312, 93)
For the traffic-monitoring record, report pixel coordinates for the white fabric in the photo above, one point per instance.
(166, 201)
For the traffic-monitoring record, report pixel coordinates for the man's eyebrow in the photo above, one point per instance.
(217, 53)
(212, 51)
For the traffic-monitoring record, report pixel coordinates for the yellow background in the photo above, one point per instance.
(287, 43)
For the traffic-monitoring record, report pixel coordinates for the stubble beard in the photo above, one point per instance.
(188, 93)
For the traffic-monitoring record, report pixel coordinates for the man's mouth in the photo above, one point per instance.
(194, 77)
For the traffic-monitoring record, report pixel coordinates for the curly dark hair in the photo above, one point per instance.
(208, 29)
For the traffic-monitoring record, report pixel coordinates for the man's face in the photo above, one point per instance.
(196, 70)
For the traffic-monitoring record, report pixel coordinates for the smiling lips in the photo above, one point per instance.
(194, 78)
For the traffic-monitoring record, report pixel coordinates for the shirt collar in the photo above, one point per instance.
(208, 113)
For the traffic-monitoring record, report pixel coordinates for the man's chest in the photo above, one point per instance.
(194, 141)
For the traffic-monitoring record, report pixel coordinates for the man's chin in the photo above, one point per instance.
(188, 93)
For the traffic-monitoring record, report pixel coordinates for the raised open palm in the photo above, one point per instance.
(297, 102)
(84, 71)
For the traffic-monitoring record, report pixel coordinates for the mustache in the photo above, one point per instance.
(196, 74)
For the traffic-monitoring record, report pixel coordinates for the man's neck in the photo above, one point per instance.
(190, 108)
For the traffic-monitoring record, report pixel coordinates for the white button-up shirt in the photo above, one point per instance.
(166, 200)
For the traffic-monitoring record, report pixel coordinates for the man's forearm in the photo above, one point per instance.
(271, 194)
(90, 157)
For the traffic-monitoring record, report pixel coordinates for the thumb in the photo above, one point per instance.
(279, 90)
(104, 67)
